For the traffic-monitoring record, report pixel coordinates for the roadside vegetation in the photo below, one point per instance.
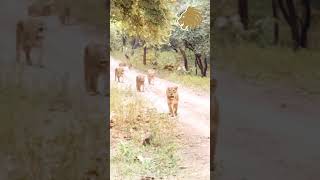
(263, 50)
(177, 55)
(143, 142)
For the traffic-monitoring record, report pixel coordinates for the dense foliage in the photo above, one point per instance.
(149, 20)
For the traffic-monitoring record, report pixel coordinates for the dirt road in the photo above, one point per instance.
(194, 120)
(260, 138)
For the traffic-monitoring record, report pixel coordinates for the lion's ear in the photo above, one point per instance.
(176, 88)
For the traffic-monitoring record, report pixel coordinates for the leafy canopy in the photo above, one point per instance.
(149, 20)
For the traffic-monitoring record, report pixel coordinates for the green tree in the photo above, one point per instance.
(148, 20)
(197, 40)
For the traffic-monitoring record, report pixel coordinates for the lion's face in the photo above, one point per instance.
(172, 92)
(120, 71)
(140, 78)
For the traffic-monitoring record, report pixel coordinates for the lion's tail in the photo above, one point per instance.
(19, 31)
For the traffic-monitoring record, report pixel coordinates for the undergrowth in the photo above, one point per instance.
(133, 121)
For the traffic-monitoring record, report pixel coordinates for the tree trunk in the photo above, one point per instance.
(306, 25)
(243, 13)
(205, 67)
(145, 56)
(195, 65)
(293, 20)
(299, 26)
(184, 57)
(124, 42)
(276, 22)
(199, 63)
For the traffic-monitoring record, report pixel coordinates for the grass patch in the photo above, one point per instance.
(274, 64)
(40, 133)
(188, 79)
(133, 120)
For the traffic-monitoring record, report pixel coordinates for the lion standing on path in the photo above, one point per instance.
(119, 73)
(173, 100)
(29, 35)
(151, 74)
(140, 83)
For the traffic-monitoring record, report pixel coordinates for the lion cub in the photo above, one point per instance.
(119, 72)
(173, 99)
(140, 82)
(151, 74)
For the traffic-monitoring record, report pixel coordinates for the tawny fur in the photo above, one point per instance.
(151, 75)
(119, 73)
(140, 83)
(173, 100)
(29, 35)
(95, 65)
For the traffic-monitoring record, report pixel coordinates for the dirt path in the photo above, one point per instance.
(194, 118)
(261, 139)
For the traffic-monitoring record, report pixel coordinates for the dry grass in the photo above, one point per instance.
(133, 120)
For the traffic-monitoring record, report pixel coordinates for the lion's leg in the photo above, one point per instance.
(170, 109)
(176, 109)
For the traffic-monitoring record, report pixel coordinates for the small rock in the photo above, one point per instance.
(147, 140)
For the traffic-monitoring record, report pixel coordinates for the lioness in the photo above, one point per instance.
(173, 99)
(29, 34)
(140, 83)
(215, 118)
(95, 65)
(41, 9)
(119, 73)
(151, 74)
